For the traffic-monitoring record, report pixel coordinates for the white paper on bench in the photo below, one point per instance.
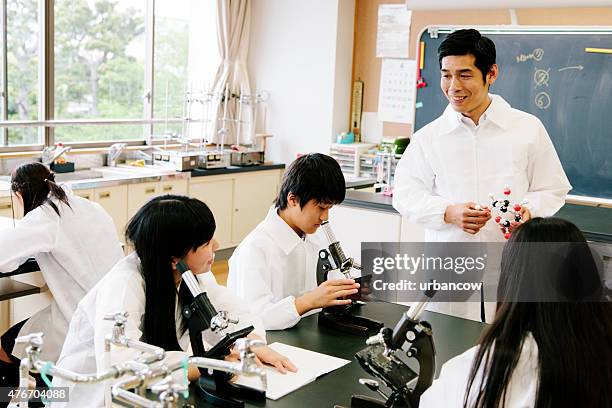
(310, 365)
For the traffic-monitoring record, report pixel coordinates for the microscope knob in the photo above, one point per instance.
(410, 335)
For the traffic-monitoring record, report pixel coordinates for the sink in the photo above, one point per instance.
(78, 175)
(148, 169)
(73, 176)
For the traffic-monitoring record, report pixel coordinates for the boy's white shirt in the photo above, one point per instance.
(271, 267)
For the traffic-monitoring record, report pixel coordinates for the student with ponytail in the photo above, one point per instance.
(74, 242)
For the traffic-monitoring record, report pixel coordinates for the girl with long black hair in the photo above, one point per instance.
(74, 242)
(550, 344)
(145, 284)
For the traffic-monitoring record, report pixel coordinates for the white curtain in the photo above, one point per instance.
(233, 24)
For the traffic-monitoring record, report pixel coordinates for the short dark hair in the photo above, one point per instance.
(314, 176)
(469, 41)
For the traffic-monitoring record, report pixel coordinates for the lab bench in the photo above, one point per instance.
(236, 169)
(11, 289)
(452, 336)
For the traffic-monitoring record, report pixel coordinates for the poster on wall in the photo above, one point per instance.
(393, 32)
(397, 89)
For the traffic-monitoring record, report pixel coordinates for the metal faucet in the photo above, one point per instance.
(114, 152)
(52, 153)
(248, 360)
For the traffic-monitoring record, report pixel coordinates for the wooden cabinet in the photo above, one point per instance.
(114, 200)
(87, 194)
(218, 193)
(178, 187)
(254, 193)
(139, 194)
(6, 207)
(239, 201)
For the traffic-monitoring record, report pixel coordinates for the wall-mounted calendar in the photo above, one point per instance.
(397, 90)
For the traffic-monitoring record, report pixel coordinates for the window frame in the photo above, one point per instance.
(46, 123)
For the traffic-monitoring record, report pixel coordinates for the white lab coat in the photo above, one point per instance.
(73, 250)
(271, 267)
(448, 390)
(450, 162)
(122, 289)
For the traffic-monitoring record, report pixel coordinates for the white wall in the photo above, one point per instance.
(301, 52)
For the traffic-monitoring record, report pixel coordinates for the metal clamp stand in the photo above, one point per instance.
(380, 360)
(342, 317)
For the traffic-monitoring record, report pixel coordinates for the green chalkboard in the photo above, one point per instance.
(549, 74)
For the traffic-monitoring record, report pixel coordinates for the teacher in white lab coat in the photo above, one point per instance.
(550, 344)
(74, 242)
(145, 284)
(477, 146)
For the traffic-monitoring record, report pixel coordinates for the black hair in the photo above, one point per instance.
(36, 184)
(166, 227)
(469, 41)
(314, 176)
(574, 339)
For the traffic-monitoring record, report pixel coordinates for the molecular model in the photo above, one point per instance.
(503, 206)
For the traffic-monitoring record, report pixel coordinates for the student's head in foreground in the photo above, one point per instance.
(550, 288)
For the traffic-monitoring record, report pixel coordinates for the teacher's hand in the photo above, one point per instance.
(470, 217)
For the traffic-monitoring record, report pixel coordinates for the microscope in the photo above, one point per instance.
(342, 318)
(216, 386)
(383, 359)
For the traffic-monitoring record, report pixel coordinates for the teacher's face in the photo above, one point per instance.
(464, 86)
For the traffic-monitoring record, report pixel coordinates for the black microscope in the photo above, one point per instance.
(215, 387)
(342, 318)
(384, 358)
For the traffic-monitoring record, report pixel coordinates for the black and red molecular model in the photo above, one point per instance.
(507, 213)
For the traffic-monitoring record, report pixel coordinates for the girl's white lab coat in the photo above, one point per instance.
(448, 390)
(73, 251)
(122, 289)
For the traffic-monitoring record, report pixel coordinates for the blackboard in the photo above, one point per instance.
(548, 74)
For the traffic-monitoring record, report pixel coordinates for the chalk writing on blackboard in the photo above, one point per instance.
(542, 100)
(537, 55)
(578, 67)
(541, 77)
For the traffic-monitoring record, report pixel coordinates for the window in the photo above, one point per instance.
(99, 58)
(120, 68)
(22, 59)
(184, 61)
